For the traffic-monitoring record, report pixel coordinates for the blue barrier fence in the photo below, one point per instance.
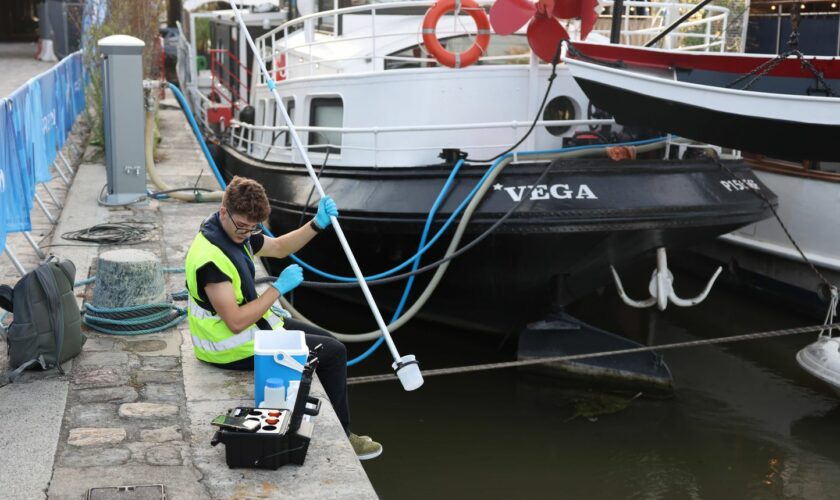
(34, 123)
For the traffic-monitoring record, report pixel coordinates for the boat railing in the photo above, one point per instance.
(705, 31)
(226, 84)
(185, 55)
(263, 140)
(305, 55)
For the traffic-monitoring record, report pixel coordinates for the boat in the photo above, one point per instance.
(692, 95)
(763, 256)
(387, 123)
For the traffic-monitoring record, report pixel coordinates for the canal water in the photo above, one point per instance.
(745, 422)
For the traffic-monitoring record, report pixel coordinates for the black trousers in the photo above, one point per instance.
(332, 366)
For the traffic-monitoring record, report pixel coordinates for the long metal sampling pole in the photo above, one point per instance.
(398, 360)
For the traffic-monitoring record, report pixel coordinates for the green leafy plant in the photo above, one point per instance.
(137, 18)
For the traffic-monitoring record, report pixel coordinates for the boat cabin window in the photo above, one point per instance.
(559, 108)
(326, 112)
(278, 121)
(327, 24)
(512, 45)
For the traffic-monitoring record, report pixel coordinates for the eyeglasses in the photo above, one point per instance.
(244, 230)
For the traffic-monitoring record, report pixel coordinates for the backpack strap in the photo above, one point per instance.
(47, 279)
(14, 374)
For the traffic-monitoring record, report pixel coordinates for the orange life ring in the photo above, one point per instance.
(433, 45)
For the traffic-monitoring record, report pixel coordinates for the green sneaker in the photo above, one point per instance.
(365, 447)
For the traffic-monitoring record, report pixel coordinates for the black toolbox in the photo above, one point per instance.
(283, 440)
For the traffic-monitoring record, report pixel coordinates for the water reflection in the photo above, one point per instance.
(744, 422)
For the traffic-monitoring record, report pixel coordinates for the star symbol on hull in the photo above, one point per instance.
(497, 187)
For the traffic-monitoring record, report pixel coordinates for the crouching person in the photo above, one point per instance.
(225, 309)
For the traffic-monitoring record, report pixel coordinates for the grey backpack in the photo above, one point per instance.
(46, 328)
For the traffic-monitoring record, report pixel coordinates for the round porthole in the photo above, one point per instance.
(559, 108)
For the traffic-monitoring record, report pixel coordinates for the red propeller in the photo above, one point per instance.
(544, 32)
(507, 16)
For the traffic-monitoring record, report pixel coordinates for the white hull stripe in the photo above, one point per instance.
(793, 108)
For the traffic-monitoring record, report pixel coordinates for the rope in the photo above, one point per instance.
(133, 320)
(113, 233)
(574, 357)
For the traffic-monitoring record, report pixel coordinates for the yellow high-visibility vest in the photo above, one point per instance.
(212, 340)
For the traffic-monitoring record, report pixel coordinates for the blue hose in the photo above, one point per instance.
(435, 206)
(189, 114)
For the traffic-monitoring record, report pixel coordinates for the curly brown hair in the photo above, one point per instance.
(247, 198)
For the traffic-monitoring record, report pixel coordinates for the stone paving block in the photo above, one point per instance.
(156, 376)
(162, 363)
(162, 435)
(94, 415)
(96, 343)
(100, 377)
(86, 436)
(166, 343)
(163, 392)
(147, 410)
(93, 457)
(102, 358)
(164, 454)
(108, 395)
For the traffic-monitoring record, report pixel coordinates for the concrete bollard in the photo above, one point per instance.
(128, 278)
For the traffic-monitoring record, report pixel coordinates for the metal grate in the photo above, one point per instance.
(145, 492)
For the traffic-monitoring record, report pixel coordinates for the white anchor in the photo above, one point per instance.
(662, 287)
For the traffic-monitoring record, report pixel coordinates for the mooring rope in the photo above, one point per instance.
(574, 357)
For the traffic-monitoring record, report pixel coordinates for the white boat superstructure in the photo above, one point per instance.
(358, 82)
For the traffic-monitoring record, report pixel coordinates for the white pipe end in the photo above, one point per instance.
(408, 371)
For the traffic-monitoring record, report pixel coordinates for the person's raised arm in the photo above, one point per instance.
(291, 242)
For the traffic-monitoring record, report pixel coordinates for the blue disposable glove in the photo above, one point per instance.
(326, 209)
(290, 278)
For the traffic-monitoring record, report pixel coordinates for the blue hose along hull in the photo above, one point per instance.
(557, 246)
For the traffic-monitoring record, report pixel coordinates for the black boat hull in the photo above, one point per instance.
(555, 248)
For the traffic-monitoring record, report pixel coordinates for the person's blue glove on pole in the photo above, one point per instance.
(326, 209)
(289, 279)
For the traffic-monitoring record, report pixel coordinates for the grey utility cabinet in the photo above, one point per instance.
(122, 108)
